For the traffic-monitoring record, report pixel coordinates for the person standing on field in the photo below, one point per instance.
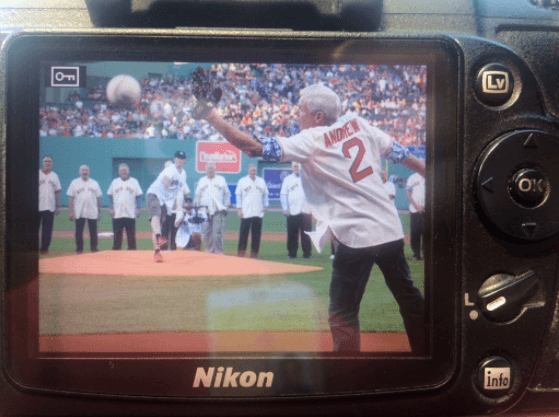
(294, 208)
(252, 202)
(49, 202)
(125, 196)
(415, 191)
(213, 193)
(340, 161)
(389, 187)
(84, 204)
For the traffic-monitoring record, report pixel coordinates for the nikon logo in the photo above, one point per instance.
(230, 379)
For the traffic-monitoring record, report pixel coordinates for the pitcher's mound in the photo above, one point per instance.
(175, 263)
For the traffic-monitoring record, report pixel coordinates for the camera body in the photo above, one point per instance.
(493, 226)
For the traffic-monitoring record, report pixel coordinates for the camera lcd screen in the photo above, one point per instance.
(210, 298)
(156, 240)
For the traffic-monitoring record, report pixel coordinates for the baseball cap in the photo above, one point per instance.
(180, 155)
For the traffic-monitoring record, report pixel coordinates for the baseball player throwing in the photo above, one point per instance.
(161, 197)
(340, 161)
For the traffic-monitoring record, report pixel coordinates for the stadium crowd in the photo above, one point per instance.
(261, 98)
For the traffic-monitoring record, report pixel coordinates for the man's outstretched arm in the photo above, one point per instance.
(238, 139)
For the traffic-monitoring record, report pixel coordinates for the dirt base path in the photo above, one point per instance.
(216, 342)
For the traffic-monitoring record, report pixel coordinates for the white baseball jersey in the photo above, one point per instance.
(49, 184)
(167, 196)
(124, 195)
(186, 228)
(340, 173)
(85, 195)
(416, 184)
(213, 193)
(390, 189)
(292, 195)
(252, 196)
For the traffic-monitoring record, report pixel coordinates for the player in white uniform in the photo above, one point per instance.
(190, 224)
(125, 196)
(415, 191)
(168, 229)
(161, 197)
(340, 172)
(84, 195)
(49, 202)
(294, 206)
(389, 187)
(252, 202)
(213, 193)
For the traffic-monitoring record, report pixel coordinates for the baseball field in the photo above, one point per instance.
(122, 301)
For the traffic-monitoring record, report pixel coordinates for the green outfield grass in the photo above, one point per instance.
(274, 221)
(379, 311)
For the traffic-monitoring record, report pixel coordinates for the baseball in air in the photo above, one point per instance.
(124, 91)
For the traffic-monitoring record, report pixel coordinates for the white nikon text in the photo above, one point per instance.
(227, 378)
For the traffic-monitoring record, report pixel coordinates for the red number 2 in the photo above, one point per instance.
(355, 175)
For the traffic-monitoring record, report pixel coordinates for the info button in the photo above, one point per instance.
(495, 377)
(529, 187)
(494, 84)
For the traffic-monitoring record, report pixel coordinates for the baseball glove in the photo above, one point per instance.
(195, 241)
(207, 96)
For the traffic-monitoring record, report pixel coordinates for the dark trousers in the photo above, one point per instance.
(417, 231)
(297, 225)
(128, 224)
(253, 224)
(92, 225)
(351, 271)
(46, 221)
(169, 230)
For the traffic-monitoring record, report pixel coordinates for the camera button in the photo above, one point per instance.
(517, 184)
(502, 297)
(529, 187)
(495, 377)
(494, 84)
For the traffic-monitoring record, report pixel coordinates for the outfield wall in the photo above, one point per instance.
(146, 158)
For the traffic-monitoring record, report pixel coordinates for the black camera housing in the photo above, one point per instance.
(493, 227)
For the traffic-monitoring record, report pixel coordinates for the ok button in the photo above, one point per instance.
(529, 187)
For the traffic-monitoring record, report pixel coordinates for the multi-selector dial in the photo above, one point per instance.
(517, 184)
(502, 297)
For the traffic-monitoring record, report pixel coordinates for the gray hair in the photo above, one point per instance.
(124, 166)
(321, 98)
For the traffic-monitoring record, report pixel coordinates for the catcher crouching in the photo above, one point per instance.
(190, 222)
